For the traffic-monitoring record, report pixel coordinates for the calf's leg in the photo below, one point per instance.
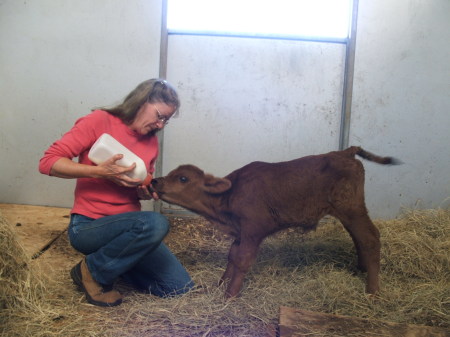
(242, 258)
(366, 238)
(230, 265)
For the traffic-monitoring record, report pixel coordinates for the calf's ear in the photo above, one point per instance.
(215, 185)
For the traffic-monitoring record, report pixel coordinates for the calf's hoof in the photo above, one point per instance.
(230, 294)
(372, 290)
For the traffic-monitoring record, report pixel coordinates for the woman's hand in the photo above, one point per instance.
(117, 173)
(66, 168)
(145, 194)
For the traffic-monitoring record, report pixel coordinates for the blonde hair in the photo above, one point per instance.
(153, 91)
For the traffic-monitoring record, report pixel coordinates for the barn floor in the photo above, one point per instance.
(42, 233)
(37, 227)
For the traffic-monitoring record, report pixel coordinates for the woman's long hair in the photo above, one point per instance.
(153, 91)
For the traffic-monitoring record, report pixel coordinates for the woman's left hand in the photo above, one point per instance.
(145, 194)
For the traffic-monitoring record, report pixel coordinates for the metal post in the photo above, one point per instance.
(157, 205)
(346, 110)
(164, 41)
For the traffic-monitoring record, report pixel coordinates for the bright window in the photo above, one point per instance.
(284, 18)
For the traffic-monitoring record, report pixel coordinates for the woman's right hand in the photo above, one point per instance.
(67, 168)
(117, 173)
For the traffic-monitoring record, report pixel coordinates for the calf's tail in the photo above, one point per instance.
(373, 157)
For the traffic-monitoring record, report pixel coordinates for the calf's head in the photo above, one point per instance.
(187, 186)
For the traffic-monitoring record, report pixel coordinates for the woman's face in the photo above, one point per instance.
(152, 117)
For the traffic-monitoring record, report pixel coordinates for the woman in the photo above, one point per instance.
(107, 224)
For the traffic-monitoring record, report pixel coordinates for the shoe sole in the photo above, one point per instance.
(75, 274)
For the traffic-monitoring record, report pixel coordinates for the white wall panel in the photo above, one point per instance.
(251, 99)
(59, 59)
(401, 102)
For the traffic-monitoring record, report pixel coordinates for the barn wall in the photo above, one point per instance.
(58, 59)
(246, 100)
(252, 99)
(401, 102)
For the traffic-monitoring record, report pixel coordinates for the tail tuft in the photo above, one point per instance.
(377, 159)
(395, 161)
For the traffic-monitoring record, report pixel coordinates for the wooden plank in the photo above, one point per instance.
(302, 323)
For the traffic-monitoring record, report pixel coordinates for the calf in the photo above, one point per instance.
(260, 199)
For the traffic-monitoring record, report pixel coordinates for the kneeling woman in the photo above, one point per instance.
(107, 224)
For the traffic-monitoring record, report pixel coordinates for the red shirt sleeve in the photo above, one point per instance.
(76, 141)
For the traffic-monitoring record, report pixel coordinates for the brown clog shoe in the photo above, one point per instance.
(95, 294)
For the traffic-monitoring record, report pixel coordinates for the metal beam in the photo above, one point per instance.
(157, 205)
(260, 36)
(344, 132)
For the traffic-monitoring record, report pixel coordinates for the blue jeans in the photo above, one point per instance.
(130, 246)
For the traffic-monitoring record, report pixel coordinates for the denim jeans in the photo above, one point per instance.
(130, 246)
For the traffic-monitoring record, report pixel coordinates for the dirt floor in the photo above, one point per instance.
(37, 227)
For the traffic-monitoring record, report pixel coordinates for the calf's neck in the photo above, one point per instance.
(261, 198)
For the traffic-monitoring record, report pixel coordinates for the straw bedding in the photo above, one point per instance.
(314, 271)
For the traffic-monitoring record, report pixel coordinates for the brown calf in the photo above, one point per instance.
(260, 199)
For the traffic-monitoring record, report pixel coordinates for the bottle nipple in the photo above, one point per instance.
(147, 180)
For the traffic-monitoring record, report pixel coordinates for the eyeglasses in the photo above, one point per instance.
(161, 118)
(162, 82)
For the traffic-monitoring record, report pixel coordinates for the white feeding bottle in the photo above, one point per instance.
(106, 146)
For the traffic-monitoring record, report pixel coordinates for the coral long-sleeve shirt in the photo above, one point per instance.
(95, 197)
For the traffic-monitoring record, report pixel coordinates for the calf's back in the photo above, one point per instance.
(297, 192)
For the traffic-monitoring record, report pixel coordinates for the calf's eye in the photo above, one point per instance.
(183, 179)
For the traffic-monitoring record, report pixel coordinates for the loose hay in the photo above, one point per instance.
(14, 270)
(314, 271)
